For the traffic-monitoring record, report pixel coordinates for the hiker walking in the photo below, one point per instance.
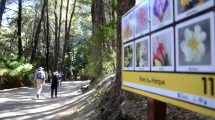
(39, 79)
(54, 83)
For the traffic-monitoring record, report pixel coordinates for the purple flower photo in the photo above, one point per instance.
(161, 13)
(159, 8)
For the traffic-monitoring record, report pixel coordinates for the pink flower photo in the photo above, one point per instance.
(141, 19)
(162, 53)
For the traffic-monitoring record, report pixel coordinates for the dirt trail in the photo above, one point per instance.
(21, 103)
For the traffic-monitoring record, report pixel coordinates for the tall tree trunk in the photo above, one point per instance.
(56, 49)
(2, 7)
(71, 16)
(57, 41)
(19, 32)
(123, 7)
(66, 17)
(98, 15)
(47, 38)
(65, 37)
(98, 19)
(113, 42)
(36, 36)
(67, 32)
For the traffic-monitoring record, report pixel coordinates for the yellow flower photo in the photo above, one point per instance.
(185, 8)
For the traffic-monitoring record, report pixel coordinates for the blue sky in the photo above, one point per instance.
(10, 12)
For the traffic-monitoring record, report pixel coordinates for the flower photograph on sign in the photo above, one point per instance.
(142, 52)
(195, 41)
(141, 18)
(185, 8)
(127, 27)
(193, 46)
(162, 54)
(128, 56)
(161, 13)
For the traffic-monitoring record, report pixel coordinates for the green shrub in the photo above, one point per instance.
(16, 73)
(14, 64)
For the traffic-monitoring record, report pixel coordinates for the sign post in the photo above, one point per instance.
(156, 109)
(169, 54)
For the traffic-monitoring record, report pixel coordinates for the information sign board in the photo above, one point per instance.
(171, 60)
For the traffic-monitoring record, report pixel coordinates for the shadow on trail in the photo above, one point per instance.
(43, 114)
(21, 103)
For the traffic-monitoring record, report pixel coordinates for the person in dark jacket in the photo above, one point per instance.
(54, 83)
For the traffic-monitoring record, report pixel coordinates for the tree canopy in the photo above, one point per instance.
(76, 37)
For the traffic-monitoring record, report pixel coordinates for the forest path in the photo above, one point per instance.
(21, 103)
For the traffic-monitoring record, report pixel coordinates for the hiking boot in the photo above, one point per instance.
(38, 96)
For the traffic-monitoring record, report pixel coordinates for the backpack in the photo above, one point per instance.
(39, 75)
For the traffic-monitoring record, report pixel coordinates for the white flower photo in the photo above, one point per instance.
(195, 44)
(142, 52)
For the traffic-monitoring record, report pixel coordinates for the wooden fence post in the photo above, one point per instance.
(156, 109)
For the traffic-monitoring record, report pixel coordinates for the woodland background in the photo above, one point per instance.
(81, 38)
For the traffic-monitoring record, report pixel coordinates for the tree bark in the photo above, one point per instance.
(98, 19)
(66, 17)
(65, 37)
(67, 32)
(19, 32)
(98, 15)
(56, 43)
(71, 16)
(113, 42)
(57, 35)
(47, 39)
(2, 7)
(36, 36)
(123, 7)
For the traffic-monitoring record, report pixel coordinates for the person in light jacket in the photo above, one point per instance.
(39, 79)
